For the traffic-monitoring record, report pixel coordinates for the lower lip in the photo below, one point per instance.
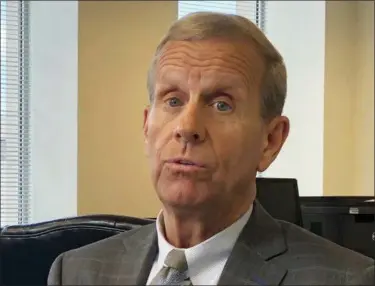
(185, 168)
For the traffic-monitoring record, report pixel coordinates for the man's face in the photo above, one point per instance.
(205, 138)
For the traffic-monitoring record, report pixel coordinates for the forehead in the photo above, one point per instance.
(218, 61)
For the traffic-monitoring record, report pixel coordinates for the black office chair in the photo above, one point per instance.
(27, 251)
(345, 220)
(280, 198)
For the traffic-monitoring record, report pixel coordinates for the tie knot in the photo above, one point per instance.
(176, 259)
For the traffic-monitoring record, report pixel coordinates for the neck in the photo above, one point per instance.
(189, 228)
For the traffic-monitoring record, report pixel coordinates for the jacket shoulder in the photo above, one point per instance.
(311, 255)
(84, 265)
(112, 245)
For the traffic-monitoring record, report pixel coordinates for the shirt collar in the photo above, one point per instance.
(208, 252)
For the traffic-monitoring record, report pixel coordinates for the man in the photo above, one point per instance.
(217, 88)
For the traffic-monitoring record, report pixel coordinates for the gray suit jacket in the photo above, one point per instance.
(267, 252)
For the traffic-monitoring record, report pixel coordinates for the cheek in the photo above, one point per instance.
(154, 127)
(153, 139)
(238, 149)
(159, 134)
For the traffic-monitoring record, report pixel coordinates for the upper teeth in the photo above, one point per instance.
(186, 162)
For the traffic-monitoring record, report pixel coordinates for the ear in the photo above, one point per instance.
(145, 122)
(276, 133)
(146, 114)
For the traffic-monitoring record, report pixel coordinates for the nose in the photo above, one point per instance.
(190, 127)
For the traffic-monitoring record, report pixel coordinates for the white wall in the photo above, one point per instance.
(54, 88)
(297, 29)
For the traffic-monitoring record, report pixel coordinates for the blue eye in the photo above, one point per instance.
(174, 101)
(222, 106)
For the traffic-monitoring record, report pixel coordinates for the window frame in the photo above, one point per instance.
(22, 188)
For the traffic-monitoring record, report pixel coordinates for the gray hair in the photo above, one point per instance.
(207, 25)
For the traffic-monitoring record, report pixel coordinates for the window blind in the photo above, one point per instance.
(15, 140)
(253, 10)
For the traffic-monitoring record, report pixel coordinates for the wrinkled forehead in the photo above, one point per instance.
(219, 62)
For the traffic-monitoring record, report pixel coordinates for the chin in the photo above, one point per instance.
(182, 193)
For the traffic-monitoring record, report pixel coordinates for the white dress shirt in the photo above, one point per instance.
(207, 259)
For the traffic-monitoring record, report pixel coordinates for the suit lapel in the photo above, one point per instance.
(140, 252)
(250, 262)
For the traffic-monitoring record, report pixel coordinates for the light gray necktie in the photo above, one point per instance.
(174, 271)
